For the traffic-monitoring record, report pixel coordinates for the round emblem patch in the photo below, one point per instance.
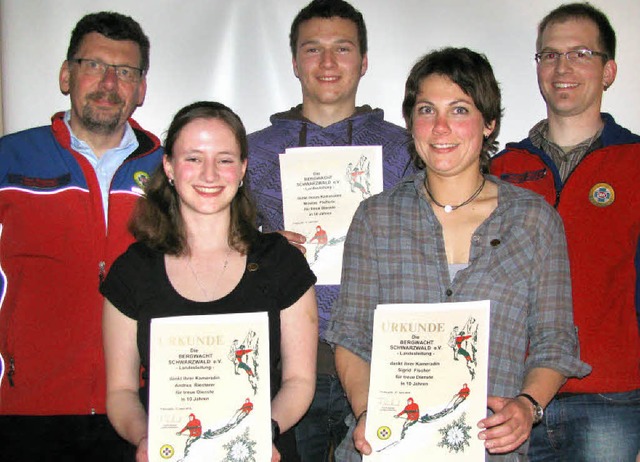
(167, 451)
(141, 178)
(602, 195)
(384, 433)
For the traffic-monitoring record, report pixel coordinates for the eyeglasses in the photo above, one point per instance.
(124, 73)
(583, 56)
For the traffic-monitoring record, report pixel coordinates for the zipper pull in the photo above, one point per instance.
(101, 266)
(12, 370)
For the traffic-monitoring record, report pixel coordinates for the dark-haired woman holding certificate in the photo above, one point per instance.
(199, 253)
(453, 233)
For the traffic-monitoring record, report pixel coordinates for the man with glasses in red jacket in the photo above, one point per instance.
(588, 167)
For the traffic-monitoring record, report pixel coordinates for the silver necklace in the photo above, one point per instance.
(215, 285)
(450, 208)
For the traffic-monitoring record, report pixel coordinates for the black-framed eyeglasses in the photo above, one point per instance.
(583, 56)
(124, 73)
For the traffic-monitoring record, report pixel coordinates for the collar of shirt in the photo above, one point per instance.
(565, 161)
(107, 165)
(117, 155)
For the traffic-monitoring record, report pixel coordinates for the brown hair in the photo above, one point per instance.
(472, 72)
(327, 9)
(114, 26)
(157, 220)
(569, 11)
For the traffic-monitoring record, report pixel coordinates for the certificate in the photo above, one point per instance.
(428, 388)
(321, 190)
(209, 392)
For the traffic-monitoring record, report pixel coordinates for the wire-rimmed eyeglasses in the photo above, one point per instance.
(124, 73)
(582, 56)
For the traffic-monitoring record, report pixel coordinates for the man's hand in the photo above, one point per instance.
(295, 239)
(509, 426)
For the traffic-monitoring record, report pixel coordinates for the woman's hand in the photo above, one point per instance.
(275, 455)
(354, 375)
(142, 453)
(361, 444)
(509, 426)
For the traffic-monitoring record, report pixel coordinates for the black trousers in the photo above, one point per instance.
(62, 439)
(86, 438)
(287, 447)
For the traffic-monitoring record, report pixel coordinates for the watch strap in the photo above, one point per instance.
(537, 409)
(530, 398)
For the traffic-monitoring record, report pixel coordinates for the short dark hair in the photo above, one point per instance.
(568, 11)
(328, 9)
(114, 26)
(157, 220)
(472, 72)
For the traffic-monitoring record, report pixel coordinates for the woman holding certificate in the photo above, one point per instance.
(198, 252)
(451, 234)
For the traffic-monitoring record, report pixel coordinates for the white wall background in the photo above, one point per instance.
(236, 52)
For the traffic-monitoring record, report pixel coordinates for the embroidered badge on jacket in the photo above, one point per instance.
(602, 195)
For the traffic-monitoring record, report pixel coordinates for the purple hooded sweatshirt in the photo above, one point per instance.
(366, 127)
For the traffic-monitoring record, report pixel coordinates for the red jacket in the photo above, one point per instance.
(600, 206)
(54, 248)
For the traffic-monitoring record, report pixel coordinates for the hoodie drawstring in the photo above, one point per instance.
(302, 137)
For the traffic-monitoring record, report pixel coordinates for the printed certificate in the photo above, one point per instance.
(429, 372)
(321, 190)
(209, 388)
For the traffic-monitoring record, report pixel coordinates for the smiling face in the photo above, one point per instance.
(206, 167)
(447, 128)
(572, 89)
(101, 104)
(328, 62)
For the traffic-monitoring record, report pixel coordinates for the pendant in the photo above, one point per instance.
(448, 209)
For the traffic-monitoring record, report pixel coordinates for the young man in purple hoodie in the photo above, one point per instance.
(328, 42)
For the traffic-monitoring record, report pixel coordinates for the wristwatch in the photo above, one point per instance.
(275, 431)
(538, 412)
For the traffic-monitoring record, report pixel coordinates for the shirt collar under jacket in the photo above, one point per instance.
(566, 161)
(107, 165)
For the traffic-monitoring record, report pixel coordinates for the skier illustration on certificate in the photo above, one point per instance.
(195, 430)
(412, 413)
(321, 239)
